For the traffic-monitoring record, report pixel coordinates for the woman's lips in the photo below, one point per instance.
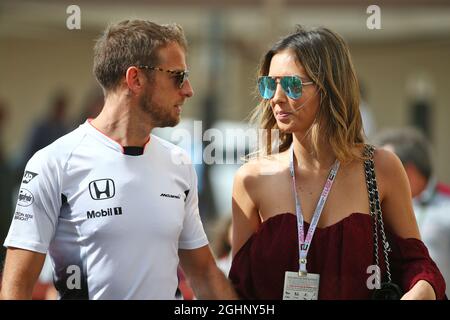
(282, 115)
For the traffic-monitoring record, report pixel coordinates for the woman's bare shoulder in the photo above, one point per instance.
(387, 163)
(395, 194)
(262, 167)
(391, 175)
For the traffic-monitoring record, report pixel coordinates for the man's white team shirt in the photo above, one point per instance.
(111, 222)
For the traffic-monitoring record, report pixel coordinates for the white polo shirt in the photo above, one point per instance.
(111, 222)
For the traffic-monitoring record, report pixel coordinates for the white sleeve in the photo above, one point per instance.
(38, 205)
(193, 235)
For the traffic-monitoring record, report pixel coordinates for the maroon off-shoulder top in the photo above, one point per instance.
(340, 253)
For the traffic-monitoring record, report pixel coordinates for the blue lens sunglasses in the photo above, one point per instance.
(292, 86)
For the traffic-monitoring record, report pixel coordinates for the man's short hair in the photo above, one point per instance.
(410, 145)
(131, 43)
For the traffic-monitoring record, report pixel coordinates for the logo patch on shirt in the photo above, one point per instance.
(23, 216)
(25, 198)
(117, 211)
(102, 189)
(167, 195)
(28, 176)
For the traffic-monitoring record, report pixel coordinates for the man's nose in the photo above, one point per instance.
(187, 89)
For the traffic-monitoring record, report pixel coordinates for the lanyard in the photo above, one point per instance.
(305, 243)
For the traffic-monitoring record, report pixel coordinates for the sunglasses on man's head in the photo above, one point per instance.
(292, 86)
(180, 76)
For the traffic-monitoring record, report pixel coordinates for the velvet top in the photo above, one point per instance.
(340, 253)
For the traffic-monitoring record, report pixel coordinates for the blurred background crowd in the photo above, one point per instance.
(47, 87)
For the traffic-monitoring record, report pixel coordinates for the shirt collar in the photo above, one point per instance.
(427, 195)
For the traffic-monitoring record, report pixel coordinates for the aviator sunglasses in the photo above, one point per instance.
(180, 76)
(292, 86)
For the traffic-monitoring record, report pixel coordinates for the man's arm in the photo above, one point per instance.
(205, 278)
(22, 269)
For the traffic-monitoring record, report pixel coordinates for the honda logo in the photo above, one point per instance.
(102, 189)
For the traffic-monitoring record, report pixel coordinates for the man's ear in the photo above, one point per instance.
(134, 79)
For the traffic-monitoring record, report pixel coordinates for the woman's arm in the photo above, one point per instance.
(395, 195)
(398, 214)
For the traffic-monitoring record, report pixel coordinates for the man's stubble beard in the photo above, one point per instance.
(160, 116)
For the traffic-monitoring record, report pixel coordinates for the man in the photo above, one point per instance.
(117, 207)
(431, 198)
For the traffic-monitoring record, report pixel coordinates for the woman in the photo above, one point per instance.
(311, 98)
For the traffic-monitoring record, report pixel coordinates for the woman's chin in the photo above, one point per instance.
(285, 127)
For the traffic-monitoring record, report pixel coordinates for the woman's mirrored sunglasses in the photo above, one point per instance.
(292, 86)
